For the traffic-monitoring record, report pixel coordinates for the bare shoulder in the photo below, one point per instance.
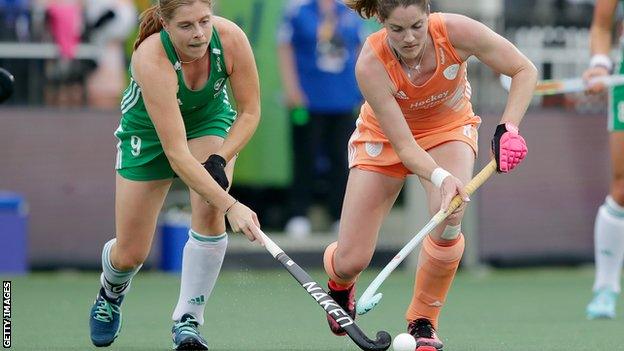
(371, 72)
(459, 27)
(229, 32)
(150, 59)
(468, 36)
(236, 46)
(368, 64)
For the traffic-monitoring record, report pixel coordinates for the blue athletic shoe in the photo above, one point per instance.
(105, 320)
(602, 306)
(186, 336)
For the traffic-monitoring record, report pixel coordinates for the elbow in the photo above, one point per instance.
(251, 116)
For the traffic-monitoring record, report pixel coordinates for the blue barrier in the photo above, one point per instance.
(13, 233)
(174, 229)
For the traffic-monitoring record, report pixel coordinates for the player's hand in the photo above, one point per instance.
(508, 147)
(215, 165)
(591, 73)
(243, 219)
(450, 187)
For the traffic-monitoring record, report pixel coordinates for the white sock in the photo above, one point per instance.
(201, 263)
(114, 281)
(609, 245)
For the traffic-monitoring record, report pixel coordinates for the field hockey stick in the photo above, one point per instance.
(370, 298)
(326, 302)
(569, 85)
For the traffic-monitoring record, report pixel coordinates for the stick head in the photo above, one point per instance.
(6, 84)
(364, 305)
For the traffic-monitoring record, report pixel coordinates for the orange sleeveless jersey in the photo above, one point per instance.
(436, 112)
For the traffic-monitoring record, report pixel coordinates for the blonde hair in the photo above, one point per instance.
(150, 19)
(382, 8)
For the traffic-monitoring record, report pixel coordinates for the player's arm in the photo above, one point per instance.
(378, 90)
(600, 40)
(472, 38)
(158, 82)
(602, 23)
(245, 87)
(287, 66)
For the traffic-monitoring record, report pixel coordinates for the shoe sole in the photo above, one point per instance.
(191, 345)
(601, 316)
(427, 348)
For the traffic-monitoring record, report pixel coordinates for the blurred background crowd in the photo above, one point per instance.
(70, 59)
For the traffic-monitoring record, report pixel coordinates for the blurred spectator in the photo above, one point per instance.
(110, 22)
(14, 20)
(64, 20)
(319, 41)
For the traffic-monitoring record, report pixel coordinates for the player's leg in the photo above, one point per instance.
(368, 199)
(137, 204)
(609, 237)
(202, 258)
(441, 251)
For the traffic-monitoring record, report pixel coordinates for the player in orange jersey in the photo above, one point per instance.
(417, 119)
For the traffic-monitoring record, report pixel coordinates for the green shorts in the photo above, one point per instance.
(140, 155)
(616, 106)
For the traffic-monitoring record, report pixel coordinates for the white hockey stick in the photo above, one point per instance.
(369, 298)
(569, 85)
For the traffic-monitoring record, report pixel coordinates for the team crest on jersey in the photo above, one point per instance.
(219, 84)
(401, 95)
(450, 72)
(373, 149)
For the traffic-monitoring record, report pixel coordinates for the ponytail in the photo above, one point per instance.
(149, 24)
(365, 8)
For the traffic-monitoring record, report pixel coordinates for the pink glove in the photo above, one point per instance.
(508, 146)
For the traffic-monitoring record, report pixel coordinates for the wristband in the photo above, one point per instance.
(601, 60)
(438, 175)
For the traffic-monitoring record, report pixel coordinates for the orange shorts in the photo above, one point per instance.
(370, 150)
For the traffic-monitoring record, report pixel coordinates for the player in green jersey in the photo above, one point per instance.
(176, 114)
(609, 226)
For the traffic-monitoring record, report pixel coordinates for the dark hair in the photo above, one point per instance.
(150, 18)
(382, 8)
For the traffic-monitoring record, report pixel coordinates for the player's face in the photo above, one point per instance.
(407, 30)
(190, 30)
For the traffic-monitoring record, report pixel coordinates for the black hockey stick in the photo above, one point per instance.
(326, 302)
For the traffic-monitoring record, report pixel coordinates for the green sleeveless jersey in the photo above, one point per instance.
(206, 111)
(195, 105)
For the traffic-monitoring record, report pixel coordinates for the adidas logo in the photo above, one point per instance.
(199, 300)
(401, 95)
